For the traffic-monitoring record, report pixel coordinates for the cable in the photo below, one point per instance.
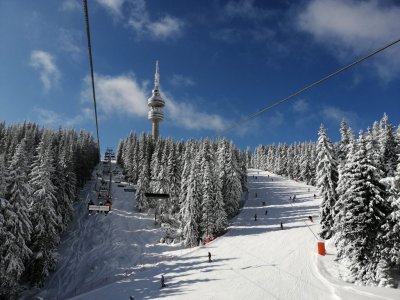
(85, 7)
(262, 110)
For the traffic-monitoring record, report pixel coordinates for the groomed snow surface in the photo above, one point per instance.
(118, 255)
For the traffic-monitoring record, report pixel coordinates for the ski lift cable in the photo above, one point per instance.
(85, 7)
(323, 79)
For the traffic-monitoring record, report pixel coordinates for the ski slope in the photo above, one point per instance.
(117, 256)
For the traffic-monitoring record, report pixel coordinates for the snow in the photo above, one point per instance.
(115, 256)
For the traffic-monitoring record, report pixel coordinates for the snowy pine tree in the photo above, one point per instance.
(45, 235)
(16, 216)
(327, 177)
(364, 212)
(191, 209)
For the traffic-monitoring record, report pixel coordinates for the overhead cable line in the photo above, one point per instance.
(276, 103)
(85, 7)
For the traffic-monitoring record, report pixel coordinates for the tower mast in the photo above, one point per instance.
(156, 103)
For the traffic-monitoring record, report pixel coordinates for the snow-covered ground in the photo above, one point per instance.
(117, 256)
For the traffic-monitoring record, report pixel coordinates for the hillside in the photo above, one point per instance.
(115, 256)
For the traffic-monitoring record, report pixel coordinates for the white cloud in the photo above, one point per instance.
(301, 106)
(353, 28)
(45, 63)
(113, 6)
(68, 42)
(124, 95)
(120, 94)
(136, 16)
(188, 116)
(180, 80)
(53, 119)
(165, 28)
(336, 115)
(71, 5)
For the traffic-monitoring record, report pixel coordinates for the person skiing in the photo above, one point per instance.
(209, 256)
(90, 203)
(315, 196)
(255, 217)
(162, 281)
(266, 212)
(310, 217)
(281, 225)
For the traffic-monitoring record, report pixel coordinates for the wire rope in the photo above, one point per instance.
(276, 103)
(85, 7)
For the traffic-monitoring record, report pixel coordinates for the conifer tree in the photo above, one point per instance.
(346, 137)
(191, 209)
(388, 147)
(45, 235)
(364, 213)
(16, 216)
(327, 178)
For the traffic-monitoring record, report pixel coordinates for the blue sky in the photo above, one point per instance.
(219, 61)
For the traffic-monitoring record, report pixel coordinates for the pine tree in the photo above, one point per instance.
(143, 186)
(3, 182)
(346, 137)
(191, 209)
(45, 235)
(16, 216)
(387, 143)
(9, 267)
(389, 239)
(233, 186)
(327, 178)
(363, 216)
(174, 175)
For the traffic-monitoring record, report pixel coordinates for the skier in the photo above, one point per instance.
(315, 196)
(266, 212)
(255, 217)
(310, 217)
(162, 281)
(256, 195)
(290, 197)
(209, 256)
(281, 225)
(90, 203)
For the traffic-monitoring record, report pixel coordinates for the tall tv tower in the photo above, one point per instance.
(156, 103)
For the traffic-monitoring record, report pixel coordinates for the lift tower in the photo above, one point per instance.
(156, 103)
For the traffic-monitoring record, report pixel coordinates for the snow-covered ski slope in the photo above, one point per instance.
(117, 256)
